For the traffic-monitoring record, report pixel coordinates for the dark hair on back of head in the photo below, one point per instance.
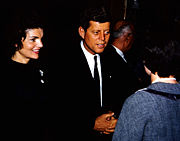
(163, 56)
(98, 14)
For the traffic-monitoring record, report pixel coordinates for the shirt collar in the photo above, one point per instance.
(87, 54)
(90, 58)
(120, 53)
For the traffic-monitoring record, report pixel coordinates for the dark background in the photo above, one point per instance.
(61, 18)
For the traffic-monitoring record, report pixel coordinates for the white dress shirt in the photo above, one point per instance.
(91, 63)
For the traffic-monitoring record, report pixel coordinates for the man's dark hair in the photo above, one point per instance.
(163, 56)
(97, 14)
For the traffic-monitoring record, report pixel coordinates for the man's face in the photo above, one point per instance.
(96, 37)
(126, 39)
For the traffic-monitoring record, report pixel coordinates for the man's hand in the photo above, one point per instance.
(105, 123)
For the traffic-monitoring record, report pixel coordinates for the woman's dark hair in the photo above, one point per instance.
(163, 56)
(23, 21)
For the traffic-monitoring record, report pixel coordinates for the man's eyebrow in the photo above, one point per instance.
(34, 37)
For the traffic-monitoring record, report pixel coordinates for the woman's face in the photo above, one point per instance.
(31, 46)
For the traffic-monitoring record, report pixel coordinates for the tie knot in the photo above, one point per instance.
(95, 58)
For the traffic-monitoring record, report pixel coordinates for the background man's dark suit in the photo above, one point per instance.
(123, 80)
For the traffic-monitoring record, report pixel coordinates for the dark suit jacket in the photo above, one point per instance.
(86, 93)
(123, 82)
(76, 99)
(24, 101)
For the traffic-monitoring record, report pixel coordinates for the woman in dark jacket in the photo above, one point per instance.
(24, 83)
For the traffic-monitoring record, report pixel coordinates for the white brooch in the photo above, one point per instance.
(42, 74)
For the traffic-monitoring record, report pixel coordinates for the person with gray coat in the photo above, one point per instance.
(153, 113)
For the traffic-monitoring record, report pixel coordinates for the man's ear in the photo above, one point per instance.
(81, 32)
(147, 70)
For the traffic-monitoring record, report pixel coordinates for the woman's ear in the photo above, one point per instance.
(16, 45)
(81, 32)
(22, 39)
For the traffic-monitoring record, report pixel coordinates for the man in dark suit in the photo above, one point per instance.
(124, 80)
(92, 119)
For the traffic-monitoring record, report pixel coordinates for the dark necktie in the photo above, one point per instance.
(96, 78)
